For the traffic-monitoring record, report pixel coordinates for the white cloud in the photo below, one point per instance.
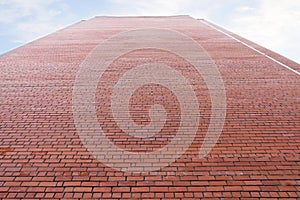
(32, 30)
(12, 10)
(161, 8)
(29, 19)
(245, 9)
(274, 24)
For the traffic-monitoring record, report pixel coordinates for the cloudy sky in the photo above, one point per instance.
(274, 24)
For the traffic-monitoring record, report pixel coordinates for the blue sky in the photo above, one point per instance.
(274, 24)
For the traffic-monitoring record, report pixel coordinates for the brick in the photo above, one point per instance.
(126, 195)
(159, 189)
(30, 184)
(4, 189)
(82, 189)
(251, 188)
(233, 188)
(215, 188)
(147, 195)
(177, 189)
(116, 195)
(140, 189)
(136, 195)
(90, 183)
(102, 189)
(36, 189)
(196, 189)
(47, 184)
(121, 189)
(72, 183)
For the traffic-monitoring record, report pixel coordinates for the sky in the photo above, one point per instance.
(274, 24)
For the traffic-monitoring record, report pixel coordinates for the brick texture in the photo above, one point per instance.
(42, 156)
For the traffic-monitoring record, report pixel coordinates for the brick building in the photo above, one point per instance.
(58, 93)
